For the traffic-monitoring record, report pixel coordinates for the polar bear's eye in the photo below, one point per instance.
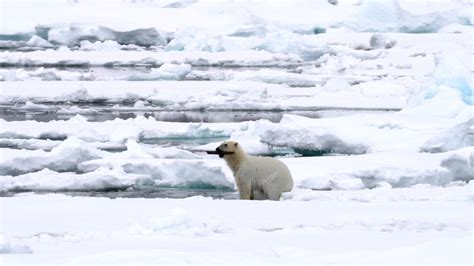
(225, 145)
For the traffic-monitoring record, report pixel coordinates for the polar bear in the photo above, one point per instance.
(257, 178)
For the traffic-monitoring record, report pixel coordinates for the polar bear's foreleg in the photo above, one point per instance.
(245, 189)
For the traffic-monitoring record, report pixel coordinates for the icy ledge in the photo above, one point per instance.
(438, 124)
(202, 95)
(381, 170)
(66, 57)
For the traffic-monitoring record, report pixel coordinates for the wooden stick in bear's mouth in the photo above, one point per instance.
(220, 152)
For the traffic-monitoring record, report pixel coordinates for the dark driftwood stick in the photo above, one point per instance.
(220, 152)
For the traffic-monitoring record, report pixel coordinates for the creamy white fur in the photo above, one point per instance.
(257, 178)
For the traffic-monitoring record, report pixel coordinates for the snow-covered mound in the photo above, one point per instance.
(164, 72)
(388, 169)
(203, 95)
(64, 157)
(209, 21)
(44, 74)
(47, 180)
(68, 58)
(389, 15)
(117, 130)
(170, 172)
(438, 124)
(71, 166)
(143, 168)
(71, 35)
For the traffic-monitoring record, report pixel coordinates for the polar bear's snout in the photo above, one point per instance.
(226, 148)
(221, 153)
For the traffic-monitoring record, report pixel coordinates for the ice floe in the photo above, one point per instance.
(370, 104)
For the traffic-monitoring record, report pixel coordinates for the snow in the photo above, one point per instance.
(117, 130)
(380, 41)
(452, 73)
(74, 34)
(368, 102)
(183, 231)
(377, 15)
(108, 45)
(412, 129)
(178, 168)
(37, 41)
(48, 180)
(43, 74)
(381, 15)
(66, 57)
(399, 169)
(64, 157)
(201, 95)
(166, 71)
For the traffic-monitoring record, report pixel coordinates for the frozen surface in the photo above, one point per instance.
(196, 95)
(433, 126)
(395, 225)
(368, 102)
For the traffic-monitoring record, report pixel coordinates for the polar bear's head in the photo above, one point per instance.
(228, 148)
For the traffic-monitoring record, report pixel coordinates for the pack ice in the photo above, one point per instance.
(368, 102)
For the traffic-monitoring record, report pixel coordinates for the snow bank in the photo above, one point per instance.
(117, 173)
(452, 138)
(116, 131)
(29, 144)
(102, 179)
(381, 15)
(195, 174)
(202, 95)
(64, 157)
(165, 72)
(109, 58)
(211, 16)
(386, 169)
(99, 46)
(50, 74)
(71, 166)
(264, 38)
(423, 192)
(143, 151)
(461, 165)
(137, 170)
(36, 41)
(415, 128)
(452, 73)
(73, 34)
(278, 77)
